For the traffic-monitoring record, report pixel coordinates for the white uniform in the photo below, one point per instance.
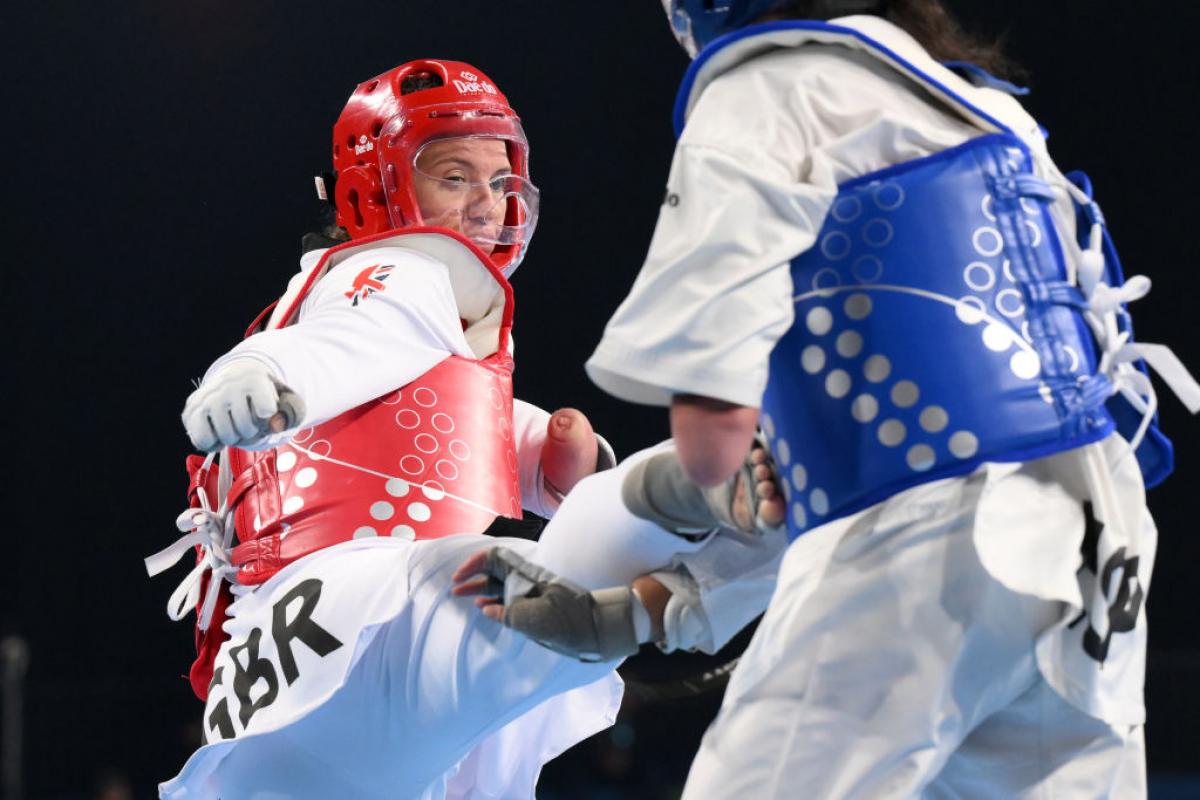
(353, 672)
(398, 335)
(919, 645)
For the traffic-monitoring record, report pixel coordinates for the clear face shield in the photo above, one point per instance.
(466, 184)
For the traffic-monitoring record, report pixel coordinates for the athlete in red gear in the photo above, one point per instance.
(365, 420)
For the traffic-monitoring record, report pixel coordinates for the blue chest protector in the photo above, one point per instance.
(935, 329)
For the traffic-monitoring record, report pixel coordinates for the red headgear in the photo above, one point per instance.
(386, 122)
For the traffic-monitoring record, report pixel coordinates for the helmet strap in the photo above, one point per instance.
(326, 182)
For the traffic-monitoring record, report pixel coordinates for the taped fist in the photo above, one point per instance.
(554, 612)
(239, 405)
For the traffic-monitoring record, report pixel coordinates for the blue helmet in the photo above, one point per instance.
(697, 22)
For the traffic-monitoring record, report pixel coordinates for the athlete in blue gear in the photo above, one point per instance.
(866, 247)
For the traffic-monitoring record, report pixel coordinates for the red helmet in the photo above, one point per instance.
(387, 121)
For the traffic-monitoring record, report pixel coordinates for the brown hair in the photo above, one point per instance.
(927, 21)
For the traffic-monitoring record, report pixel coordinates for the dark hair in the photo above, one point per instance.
(328, 233)
(419, 81)
(927, 21)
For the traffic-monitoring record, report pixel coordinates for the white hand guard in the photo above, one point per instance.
(235, 405)
(560, 615)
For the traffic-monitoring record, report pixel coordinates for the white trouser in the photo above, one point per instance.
(422, 696)
(892, 664)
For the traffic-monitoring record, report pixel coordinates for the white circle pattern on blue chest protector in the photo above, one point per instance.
(877, 368)
(847, 209)
(934, 419)
(783, 452)
(813, 359)
(836, 245)
(849, 344)
(867, 269)
(854, 357)
(799, 477)
(818, 501)
(799, 515)
(819, 321)
(826, 279)
(837, 383)
(878, 233)
(920, 457)
(864, 408)
(768, 425)
(891, 432)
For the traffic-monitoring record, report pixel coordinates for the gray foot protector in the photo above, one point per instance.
(658, 490)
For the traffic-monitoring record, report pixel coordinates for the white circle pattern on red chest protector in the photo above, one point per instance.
(449, 435)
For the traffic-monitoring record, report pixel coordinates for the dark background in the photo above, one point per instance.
(160, 157)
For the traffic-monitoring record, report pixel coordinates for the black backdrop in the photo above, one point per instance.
(160, 157)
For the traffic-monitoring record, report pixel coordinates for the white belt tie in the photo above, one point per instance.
(212, 531)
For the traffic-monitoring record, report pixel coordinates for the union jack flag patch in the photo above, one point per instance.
(368, 282)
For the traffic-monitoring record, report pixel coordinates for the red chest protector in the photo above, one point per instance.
(432, 458)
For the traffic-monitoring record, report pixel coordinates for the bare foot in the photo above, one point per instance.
(771, 510)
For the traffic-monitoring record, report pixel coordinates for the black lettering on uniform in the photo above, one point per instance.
(671, 199)
(1125, 607)
(244, 678)
(1123, 612)
(219, 719)
(319, 640)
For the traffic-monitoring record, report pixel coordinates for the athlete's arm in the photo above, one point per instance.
(554, 452)
(349, 345)
(711, 436)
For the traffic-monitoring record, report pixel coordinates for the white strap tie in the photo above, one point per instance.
(1091, 262)
(1117, 354)
(1105, 298)
(211, 531)
(1163, 360)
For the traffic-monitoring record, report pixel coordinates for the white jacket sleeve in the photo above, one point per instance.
(715, 292)
(529, 434)
(754, 175)
(340, 354)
